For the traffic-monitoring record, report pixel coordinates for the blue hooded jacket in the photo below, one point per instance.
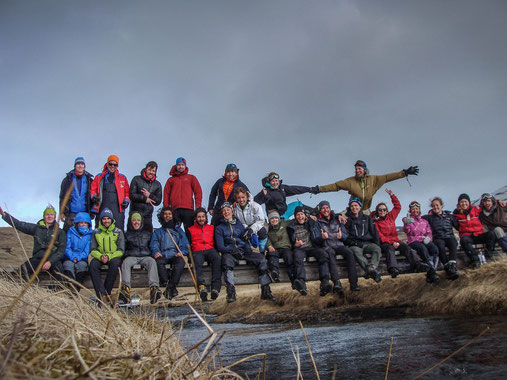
(162, 243)
(78, 246)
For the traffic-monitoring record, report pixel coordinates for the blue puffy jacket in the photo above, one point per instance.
(78, 246)
(162, 243)
(228, 237)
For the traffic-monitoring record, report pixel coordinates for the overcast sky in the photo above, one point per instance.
(304, 88)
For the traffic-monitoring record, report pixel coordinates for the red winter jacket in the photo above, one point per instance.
(181, 189)
(387, 227)
(201, 237)
(469, 222)
(122, 188)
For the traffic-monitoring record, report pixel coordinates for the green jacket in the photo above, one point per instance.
(107, 241)
(42, 236)
(364, 188)
(278, 236)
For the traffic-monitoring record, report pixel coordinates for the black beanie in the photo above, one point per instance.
(298, 209)
(464, 196)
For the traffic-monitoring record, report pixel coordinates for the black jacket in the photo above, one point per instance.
(42, 237)
(361, 230)
(137, 243)
(217, 197)
(441, 225)
(312, 226)
(66, 183)
(138, 200)
(275, 199)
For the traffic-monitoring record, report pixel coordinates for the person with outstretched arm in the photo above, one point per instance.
(364, 185)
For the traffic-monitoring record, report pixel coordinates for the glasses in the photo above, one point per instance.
(486, 196)
(276, 176)
(382, 209)
(112, 164)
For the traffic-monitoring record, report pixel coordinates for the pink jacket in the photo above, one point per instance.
(417, 230)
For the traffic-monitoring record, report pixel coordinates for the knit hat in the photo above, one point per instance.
(464, 196)
(49, 208)
(113, 157)
(414, 204)
(106, 212)
(273, 214)
(151, 164)
(79, 160)
(226, 204)
(137, 216)
(322, 204)
(356, 200)
(361, 163)
(298, 209)
(231, 168)
(181, 159)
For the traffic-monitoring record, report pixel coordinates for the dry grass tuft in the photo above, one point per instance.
(56, 334)
(476, 292)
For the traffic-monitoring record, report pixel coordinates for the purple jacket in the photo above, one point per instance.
(417, 230)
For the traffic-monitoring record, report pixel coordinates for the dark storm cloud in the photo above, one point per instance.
(304, 88)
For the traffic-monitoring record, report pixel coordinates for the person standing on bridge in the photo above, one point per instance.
(145, 193)
(364, 186)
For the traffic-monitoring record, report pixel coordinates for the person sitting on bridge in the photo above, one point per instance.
(274, 194)
(471, 230)
(250, 214)
(306, 239)
(494, 217)
(364, 186)
(419, 237)
(168, 246)
(42, 233)
(279, 245)
(334, 234)
(79, 236)
(363, 239)
(137, 252)
(203, 248)
(232, 243)
(107, 247)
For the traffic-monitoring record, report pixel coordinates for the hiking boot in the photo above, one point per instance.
(476, 263)
(266, 293)
(107, 300)
(394, 272)
(275, 276)
(124, 294)
(231, 293)
(300, 286)
(421, 267)
(431, 276)
(155, 294)
(325, 287)
(355, 288)
(376, 276)
(450, 271)
(214, 294)
(338, 288)
(170, 291)
(203, 293)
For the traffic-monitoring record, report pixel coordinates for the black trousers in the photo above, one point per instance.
(322, 258)
(351, 263)
(101, 289)
(257, 259)
(468, 241)
(425, 251)
(288, 259)
(389, 252)
(31, 265)
(214, 260)
(186, 216)
(178, 264)
(452, 246)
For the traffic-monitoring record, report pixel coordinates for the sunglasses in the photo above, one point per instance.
(111, 164)
(382, 209)
(274, 177)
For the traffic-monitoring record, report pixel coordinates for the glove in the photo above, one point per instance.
(254, 240)
(413, 170)
(92, 215)
(315, 190)
(237, 254)
(408, 220)
(95, 199)
(426, 240)
(125, 204)
(247, 234)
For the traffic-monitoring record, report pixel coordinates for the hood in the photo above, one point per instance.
(265, 183)
(174, 173)
(83, 217)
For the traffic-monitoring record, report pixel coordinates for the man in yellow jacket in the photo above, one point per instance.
(363, 185)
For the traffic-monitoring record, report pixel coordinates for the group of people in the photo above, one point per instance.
(239, 231)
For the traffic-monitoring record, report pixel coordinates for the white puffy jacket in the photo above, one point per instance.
(251, 216)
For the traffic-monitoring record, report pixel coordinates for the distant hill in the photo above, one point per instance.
(500, 194)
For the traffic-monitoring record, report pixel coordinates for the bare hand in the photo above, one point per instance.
(390, 192)
(271, 249)
(75, 260)
(150, 201)
(179, 254)
(313, 217)
(342, 219)
(396, 244)
(62, 217)
(104, 259)
(46, 265)
(2, 211)
(264, 191)
(339, 233)
(501, 203)
(157, 255)
(324, 234)
(145, 192)
(210, 212)
(299, 243)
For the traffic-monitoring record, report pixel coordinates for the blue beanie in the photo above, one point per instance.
(106, 212)
(181, 159)
(79, 160)
(357, 200)
(361, 164)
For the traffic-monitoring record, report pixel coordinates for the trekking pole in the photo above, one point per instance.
(190, 270)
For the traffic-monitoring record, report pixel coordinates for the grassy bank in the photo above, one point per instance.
(476, 292)
(56, 335)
